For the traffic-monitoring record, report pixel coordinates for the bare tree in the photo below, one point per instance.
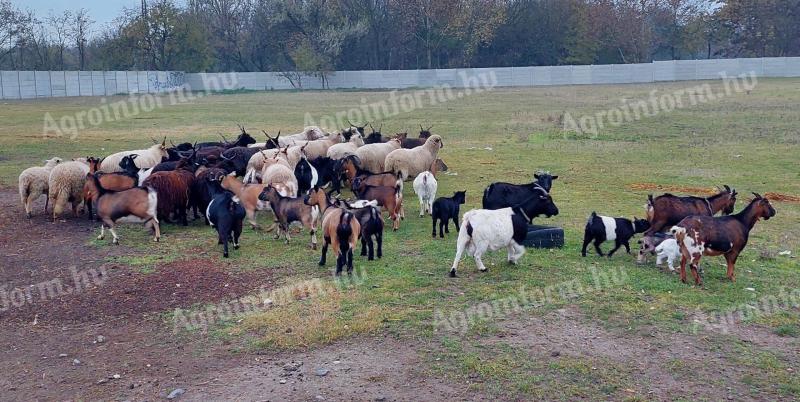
(81, 28)
(60, 26)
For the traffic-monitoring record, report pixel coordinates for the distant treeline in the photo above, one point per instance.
(318, 36)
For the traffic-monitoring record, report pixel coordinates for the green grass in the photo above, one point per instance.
(748, 141)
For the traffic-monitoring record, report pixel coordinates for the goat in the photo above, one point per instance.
(173, 191)
(604, 228)
(248, 195)
(288, 210)
(225, 214)
(503, 195)
(390, 198)
(369, 216)
(486, 229)
(425, 187)
(726, 235)
(137, 204)
(306, 174)
(205, 186)
(341, 229)
(669, 250)
(410, 143)
(667, 210)
(446, 208)
(116, 181)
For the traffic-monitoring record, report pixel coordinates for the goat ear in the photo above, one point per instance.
(536, 175)
(555, 177)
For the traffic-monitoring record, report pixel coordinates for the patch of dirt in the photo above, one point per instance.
(783, 197)
(699, 365)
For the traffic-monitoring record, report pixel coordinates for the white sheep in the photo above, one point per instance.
(670, 250)
(277, 171)
(373, 156)
(425, 186)
(340, 151)
(33, 183)
(309, 133)
(485, 229)
(147, 158)
(312, 149)
(66, 182)
(256, 163)
(411, 162)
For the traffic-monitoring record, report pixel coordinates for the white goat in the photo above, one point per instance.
(425, 186)
(670, 250)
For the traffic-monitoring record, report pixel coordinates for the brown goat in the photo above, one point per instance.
(248, 197)
(727, 235)
(288, 210)
(667, 210)
(173, 191)
(390, 198)
(341, 229)
(139, 203)
(117, 181)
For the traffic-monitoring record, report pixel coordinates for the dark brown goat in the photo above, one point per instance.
(667, 210)
(288, 210)
(173, 191)
(727, 235)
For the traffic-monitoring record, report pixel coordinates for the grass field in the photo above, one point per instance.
(750, 141)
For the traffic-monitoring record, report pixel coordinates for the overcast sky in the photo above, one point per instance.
(101, 11)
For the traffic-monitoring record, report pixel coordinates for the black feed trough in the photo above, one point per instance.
(544, 237)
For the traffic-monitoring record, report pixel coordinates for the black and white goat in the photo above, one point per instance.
(306, 174)
(226, 214)
(490, 230)
(601, 228)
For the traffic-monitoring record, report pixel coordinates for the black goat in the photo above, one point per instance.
(238, 158)
(445, 209)
(503, 195)
(226, 215)
(603, 228)
(205, 186)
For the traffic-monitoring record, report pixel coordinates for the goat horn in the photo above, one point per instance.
(429, 128)
(381, 127)
(265, 133)
(728, 189)
(154, 140)
(758, 196)
(420, 128)
(172, 142)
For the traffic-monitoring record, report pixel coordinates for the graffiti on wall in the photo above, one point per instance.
(168, 81)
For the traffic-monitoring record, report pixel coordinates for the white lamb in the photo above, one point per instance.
(670, 250)
(484, 229)
(425, 186)
(147, 158)
(33, 183)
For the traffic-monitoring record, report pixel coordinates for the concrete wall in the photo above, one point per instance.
(678, 70)
(46, 84)
(42, 84)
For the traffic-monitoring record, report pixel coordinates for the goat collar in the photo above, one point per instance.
(708, 204)
(522, 211)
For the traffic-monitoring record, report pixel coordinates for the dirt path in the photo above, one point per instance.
(103, 335)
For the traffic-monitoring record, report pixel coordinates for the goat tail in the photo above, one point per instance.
(344, 231)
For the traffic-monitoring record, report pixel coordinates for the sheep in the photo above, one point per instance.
(65, 184)
(669, 250)
(137, 204)
(147, 158)
(373, 156)
(313, 149)
(33, 183)
(277, 171)
(310, 133)
(256, 163)
(339, 151)
(411, 162)
(425, 186)
(492, 229)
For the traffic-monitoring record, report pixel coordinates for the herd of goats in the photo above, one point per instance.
(230, 181)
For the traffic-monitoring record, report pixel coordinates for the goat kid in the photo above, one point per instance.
(605, 228)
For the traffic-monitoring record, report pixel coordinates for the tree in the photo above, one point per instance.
(81, 28)
(60, 26)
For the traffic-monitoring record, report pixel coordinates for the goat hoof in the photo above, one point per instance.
(225, 255)
(321, 264)
(453, 274)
